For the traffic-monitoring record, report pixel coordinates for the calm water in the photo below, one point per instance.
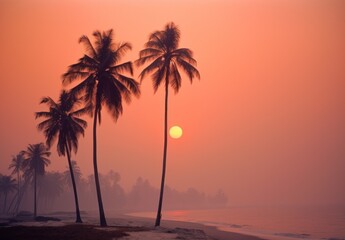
(269, 222)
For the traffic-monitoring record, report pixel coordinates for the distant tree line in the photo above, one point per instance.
(55, 193)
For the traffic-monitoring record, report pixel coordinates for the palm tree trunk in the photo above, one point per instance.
(102, 219)
(78, 218)
(18, 177)
(159, 212)
(35, 197)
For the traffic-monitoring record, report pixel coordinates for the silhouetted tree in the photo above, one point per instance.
(166, 59)
(35, 161)
(103, 84)
(17, 166)
(7, 185)
(50, 187)
(218, 200)
(76, 172)
(143, 196)
(62, 122)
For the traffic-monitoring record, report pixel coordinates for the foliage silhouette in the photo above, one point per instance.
(7, 185)
(62, 122)
(35, 161)
(17, 166)
(165, 59)
(50, 187)
(103, 84)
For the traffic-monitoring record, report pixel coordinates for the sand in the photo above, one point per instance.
(124, 228)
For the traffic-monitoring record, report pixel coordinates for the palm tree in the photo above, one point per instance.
(35, 161)
(62, 123)
(76, 172)
(165, 59)
(103, 84)
(50, 188)
(7, 185)
(17, 166)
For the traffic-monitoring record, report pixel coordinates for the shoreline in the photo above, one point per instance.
(132, 228)
(211, 231)
(214, 232)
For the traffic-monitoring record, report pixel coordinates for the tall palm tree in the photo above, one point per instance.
(62, 122)
(7, 185)
(35, 161)
(17, 166)
(165, 59)
(103, 84)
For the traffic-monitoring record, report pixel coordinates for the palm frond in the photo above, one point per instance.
(81, 122)
(79, 112)
(175, 78)
(143, 60)
(83, 86)
(156, 40)
(171, 36)
(113, 97)
(98, 42)
(71, 76)
(124, 67)
(43, 114)
(131, 84)
(44, 124)
(185, 54)
(51, 133)
(87, 43)
(150, 51)
(158, 78)
(122, 49)
(49, 101)
(188, 68)
(156, 64)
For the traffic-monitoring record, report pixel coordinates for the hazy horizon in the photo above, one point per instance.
(266, 122)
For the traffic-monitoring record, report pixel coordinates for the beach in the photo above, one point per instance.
(240, 223)
(124, 227)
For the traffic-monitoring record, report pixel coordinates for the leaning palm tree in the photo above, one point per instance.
(103, 84)
(7, 185)
(17, 166)
(165, 59)
(35, 161)
(62, 122)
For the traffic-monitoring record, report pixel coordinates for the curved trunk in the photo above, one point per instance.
(78, 218)
(102, 219)
(159, 212)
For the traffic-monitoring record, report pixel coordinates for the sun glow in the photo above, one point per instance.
(175, 132)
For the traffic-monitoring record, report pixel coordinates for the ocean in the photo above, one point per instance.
(324, 222)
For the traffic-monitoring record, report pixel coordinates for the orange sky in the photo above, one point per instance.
(266, 123)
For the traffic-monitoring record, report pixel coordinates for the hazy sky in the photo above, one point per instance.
(266, 122)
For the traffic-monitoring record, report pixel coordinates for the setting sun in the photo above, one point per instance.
(175, 132)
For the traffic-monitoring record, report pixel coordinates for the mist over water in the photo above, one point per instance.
(289, 222)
